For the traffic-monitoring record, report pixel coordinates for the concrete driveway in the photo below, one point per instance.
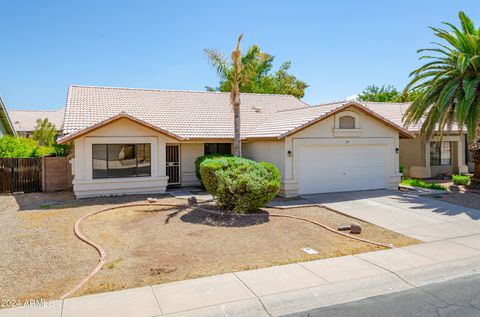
(425, 219)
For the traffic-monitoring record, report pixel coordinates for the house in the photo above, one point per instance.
(432, 158)
(130, 140)
(25, 121)
(6, 126)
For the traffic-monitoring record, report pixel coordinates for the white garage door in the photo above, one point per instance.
(336, 168)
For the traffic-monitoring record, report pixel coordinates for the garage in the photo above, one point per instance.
(321, 167)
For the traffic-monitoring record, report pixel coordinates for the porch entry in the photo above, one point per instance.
(173, 164)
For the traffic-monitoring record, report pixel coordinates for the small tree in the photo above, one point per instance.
(44, 132)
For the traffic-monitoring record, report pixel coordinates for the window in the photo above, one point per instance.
(121, 160)
(221, 148)
(440, 153)
(346, 122)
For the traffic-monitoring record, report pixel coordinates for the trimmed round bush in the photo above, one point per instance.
(202, 158)
(239, 184)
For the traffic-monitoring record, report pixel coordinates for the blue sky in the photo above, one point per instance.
(338, 47)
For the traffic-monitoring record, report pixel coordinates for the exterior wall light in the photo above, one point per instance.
(289, 153)
(397, 150)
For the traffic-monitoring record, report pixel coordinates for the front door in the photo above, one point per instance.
(173, 164)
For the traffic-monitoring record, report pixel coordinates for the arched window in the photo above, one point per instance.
(346, 122)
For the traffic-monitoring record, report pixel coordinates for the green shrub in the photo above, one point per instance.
(19, 147)
(11, 146)
(239, 184)
(202, 158)
(418, 183)
(401, 168)
(461, 179)
(61, 150)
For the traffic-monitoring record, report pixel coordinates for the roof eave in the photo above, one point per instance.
(70, 137)
(402, 131)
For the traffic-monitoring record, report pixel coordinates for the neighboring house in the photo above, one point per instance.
(6, 126)
(25, 121)
(142, 140)
(431, 158)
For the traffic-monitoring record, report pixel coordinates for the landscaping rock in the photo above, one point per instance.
(344, 228)
(355, 228)
(192, 200)
(152, 200)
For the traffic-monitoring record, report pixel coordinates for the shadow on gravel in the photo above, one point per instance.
(198, 216)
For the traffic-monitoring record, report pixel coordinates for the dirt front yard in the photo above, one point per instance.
(152, 245)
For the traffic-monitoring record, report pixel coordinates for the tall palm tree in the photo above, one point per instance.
(240, 71)
(448, 85)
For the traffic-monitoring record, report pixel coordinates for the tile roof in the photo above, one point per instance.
(188, 114)
(25, 120)
(200, 115)
(394, 112)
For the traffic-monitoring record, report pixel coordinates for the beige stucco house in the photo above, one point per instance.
(143, 140)
(428, 158)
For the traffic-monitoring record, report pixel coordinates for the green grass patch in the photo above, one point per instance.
(421, 184)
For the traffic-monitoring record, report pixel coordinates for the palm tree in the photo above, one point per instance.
(239, 72)
(448, 85)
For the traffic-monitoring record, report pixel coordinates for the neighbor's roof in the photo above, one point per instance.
(196, 115)
(25, 120)
(5, 118)
(395, 112)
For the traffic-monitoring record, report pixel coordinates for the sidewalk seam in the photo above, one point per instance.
(258, 297)
(156, 299)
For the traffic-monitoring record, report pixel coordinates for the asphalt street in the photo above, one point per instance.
(454, 298)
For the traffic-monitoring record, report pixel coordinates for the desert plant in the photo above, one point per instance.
(461, 179)
(202, 158)
(239, 184)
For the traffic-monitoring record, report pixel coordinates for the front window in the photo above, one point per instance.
(220, 148)
(121, 160)
(440, 153)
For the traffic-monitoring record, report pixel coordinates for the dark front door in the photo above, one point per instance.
(173, 164)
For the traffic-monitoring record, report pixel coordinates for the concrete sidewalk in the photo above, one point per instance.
(280, 290)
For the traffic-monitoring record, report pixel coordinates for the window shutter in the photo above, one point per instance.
(346, 122)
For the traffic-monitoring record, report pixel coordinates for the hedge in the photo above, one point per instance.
(239, 184)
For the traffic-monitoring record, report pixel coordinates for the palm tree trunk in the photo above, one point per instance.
(476, 162)
(474, 147)
(237, 144)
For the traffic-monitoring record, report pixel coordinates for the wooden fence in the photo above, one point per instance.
(20, 175)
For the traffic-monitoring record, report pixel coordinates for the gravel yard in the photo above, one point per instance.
(460, 195)
(150, 245)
